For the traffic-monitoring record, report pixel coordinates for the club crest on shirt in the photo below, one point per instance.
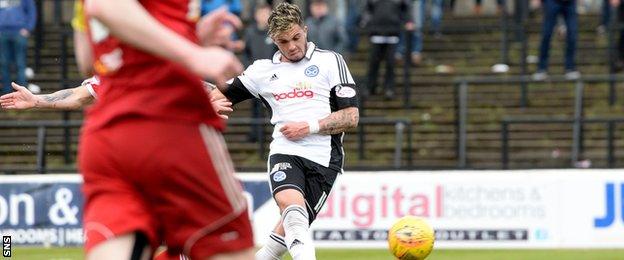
(312, 71)
(279, 176)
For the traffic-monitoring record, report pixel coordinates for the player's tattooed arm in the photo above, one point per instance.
(73, 98)
(50, 100)
(22, 98)
(339, 121)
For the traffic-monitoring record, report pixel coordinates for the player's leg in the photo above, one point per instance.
(275, 247)
(206, 217)
(132, 246)
(287, 181)
(320, 181)
(117, 221)
(295, 221)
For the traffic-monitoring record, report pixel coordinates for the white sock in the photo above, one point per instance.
(298, 241)
(273, 249)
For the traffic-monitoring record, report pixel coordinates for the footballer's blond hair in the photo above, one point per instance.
(283, 17)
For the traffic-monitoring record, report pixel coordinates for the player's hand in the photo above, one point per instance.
(216, 28)
(615, 3)
(536, 4)
(295, 131)
(222, 106)
(215, 64)
(22, 98)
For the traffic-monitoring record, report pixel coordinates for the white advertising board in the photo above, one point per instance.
(468, 209)
(472, 209)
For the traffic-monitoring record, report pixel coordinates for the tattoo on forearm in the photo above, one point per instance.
(57, 96)
(339, 121)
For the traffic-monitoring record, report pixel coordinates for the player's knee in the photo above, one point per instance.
(295, 215)
(288, 197)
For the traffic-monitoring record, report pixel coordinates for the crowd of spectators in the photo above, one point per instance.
(17, 21)
(389, 27)
(339, 25)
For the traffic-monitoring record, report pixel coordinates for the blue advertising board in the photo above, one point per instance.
(46, 210)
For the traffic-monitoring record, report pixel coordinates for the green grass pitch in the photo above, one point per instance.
(374, 254)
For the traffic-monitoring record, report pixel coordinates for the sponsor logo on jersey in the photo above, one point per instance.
(312, 71)
(279, 176)
(295, 93)
(345, 92)
(281, 166)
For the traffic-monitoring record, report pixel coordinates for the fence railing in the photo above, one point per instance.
(403, 136)
(58, 18)
(576, 143)
(41, 141)
(461, 101)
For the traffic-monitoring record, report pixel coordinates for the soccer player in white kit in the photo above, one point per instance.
(313, 100)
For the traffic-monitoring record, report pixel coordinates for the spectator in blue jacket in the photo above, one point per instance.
(17, 21)
(234, 7)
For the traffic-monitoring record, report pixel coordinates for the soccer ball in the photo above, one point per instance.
(411, 238)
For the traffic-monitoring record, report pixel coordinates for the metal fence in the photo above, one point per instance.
(461, 102)
(403, 137)
(577, 140)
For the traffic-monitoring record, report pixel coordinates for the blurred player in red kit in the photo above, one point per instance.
(154, 164)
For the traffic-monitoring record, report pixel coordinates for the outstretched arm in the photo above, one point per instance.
(22, 98)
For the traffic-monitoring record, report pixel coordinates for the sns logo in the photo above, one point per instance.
(609, 216)
(295, 93)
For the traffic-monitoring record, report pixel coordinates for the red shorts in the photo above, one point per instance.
(174, 182)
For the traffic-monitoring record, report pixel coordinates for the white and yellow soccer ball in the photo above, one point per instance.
(411, 238)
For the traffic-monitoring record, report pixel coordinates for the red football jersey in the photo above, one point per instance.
(135, 83)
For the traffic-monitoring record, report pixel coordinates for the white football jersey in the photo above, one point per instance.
(309, 89)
